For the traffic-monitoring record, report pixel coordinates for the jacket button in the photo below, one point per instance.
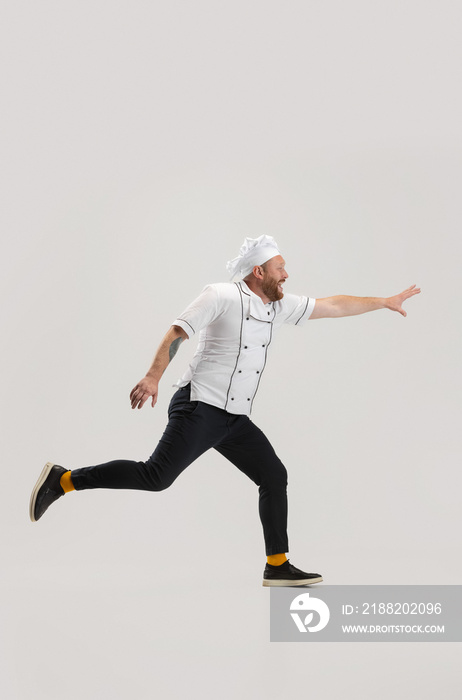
(245, 347)
(248, 399)
(258, 371)
(268, 313)
(232, 398)
(239, 371)
(247, 318)
(263, 346)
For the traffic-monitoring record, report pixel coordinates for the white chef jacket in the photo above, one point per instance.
(236, 328)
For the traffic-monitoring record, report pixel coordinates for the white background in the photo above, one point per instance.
(141, 143)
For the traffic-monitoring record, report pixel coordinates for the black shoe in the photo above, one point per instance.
(46, 491)
(288, 575)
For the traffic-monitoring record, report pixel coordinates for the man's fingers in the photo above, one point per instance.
(412, 290)
(143, 398)
(409, 292)
(137, 391)
(136, 396)
(139, 398)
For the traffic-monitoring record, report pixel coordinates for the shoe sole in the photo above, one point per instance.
(40, 481)
(286, 582)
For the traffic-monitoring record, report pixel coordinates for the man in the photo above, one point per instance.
(212, 405)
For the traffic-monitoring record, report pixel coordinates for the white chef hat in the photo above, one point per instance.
(254, 251)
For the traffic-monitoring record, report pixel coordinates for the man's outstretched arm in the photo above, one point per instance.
(148, 386)
(334, 307)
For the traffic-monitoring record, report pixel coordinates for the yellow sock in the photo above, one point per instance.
(276, 559)
(66, 482)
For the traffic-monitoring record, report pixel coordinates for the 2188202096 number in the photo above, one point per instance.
(401, 609)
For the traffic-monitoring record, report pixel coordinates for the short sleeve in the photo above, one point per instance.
(200, 312)
(296, 310)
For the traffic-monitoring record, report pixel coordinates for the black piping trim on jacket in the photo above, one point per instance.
(182, 319)
(240, 345)
(266, 354)
(242, 290)
(304, 310)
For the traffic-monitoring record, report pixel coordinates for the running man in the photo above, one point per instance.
(213, 402)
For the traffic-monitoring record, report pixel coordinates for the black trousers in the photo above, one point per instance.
(193, 428)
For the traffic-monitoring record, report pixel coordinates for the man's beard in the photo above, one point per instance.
(270, 288)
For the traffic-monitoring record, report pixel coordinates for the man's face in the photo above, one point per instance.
(274, 276)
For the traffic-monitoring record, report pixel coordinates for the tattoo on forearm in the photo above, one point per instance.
(173, 349)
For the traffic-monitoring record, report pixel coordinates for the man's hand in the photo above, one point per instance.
(395, 303)
(143, 390)
(148, 386)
